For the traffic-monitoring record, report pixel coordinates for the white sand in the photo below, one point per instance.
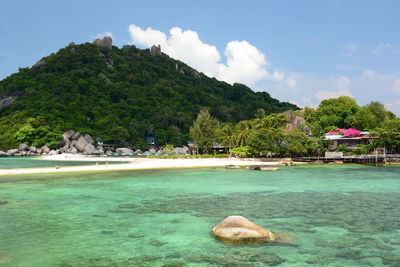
(134, 164)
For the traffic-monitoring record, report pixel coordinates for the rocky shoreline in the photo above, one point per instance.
(76, 143)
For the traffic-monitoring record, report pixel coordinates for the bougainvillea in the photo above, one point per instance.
(347, 132)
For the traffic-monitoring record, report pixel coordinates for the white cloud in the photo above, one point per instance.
(244, 62)
(343, 82)
(368, 73)
(101, 35)
(322, 95)
(384, 47)
(396, 86)
(350, 49)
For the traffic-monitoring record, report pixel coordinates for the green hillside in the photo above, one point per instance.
(117, 94)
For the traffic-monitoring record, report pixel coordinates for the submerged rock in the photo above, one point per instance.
(232, 167)
(238, 228)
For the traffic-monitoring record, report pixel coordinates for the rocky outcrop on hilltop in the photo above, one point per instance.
(106, 42)
(155, 50)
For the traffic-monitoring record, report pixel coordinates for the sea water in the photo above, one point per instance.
(24, 162)
(342, 215)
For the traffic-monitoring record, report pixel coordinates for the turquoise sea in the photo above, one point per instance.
(338, 215)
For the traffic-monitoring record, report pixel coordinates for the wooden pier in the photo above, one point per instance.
(373, 160)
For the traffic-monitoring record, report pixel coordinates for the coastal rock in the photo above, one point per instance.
(238, 228)
(138, 152)
(124, 150)
(32, 149)
(152, 151)
(232, 167)
(73, 150)
(39, 151)
(69, 134)
(23, 147)
(89, 139)
(155, 50)
(66, 138)
(100, 149)
(3, 154)
(159, 152)
(180, 151)
(80, 144)
(12, 152)
(96, 152)
(89, 149)
(52, 152)
(45, 149)
(106, 42)
(75, 136)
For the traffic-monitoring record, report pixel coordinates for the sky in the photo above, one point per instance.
(298, 51)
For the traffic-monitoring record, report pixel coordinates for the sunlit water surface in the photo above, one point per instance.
(338, 215)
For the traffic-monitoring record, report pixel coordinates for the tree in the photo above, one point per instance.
(226, 135)
(294, 142)
(389, 134)
(204, 130)
(379, 111)
(263, 141)
(334, 112)
(363, 119)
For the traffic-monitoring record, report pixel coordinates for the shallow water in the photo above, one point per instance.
(339, 216)
(33, 162)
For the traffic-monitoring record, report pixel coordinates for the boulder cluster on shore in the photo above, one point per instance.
(76, 143)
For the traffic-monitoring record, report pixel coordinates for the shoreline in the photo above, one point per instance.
(133, 164)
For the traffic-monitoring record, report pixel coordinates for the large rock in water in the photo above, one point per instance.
(240, 229)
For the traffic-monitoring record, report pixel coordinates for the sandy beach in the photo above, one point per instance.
(131, 164)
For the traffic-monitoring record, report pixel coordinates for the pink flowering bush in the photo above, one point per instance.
(348, 132)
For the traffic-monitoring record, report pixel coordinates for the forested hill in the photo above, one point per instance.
(117, 94)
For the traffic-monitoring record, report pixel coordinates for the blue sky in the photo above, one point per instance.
(298, 51)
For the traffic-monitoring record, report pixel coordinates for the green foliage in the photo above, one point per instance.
(343, 112)
(342, 148)
(167, 148)
(265, 140)
(294, 143)
(389, 134)
(360, 151)
(140, 95)
(242, 151)
(204, 130)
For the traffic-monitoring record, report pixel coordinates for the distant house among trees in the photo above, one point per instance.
(351, 138)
